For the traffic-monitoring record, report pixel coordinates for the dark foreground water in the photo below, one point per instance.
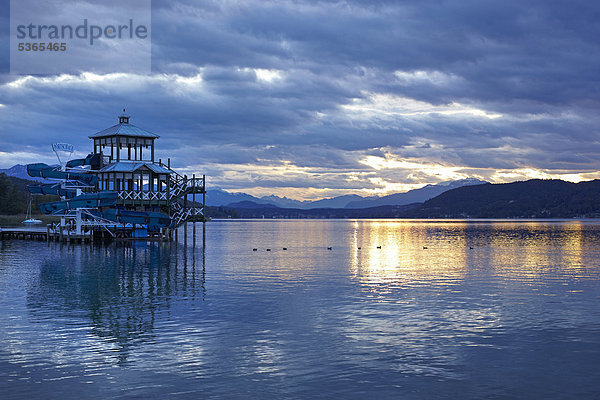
(460, 310)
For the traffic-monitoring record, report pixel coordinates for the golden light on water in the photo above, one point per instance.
(384, 255)
(405, 251)
(443, 252)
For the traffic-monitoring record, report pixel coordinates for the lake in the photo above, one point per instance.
(395, 309)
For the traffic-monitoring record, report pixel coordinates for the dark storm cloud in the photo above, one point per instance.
(4, 39)
(322, 85)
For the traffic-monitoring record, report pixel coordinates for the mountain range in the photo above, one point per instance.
(219, 198)
(20, 171)
(534, 198)
(413, 196)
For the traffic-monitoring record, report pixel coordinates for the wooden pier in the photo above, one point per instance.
(89, 236)
(56, 233)
(45, 235)
(24, 234)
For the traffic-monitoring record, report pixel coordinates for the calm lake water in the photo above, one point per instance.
(453, 309)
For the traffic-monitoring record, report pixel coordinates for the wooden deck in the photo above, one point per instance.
(41, 234)
(45, 234)
(24, 234)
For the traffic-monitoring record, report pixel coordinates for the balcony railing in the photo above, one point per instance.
(132, 195)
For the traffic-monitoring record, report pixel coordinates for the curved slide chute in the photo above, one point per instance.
(46, 171)
(93, 160)
(52, 189)
(90, 200)
(96, 201)
(153, 220)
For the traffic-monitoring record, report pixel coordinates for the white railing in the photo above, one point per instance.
(130, 195)
(182, 186)
(184, 214)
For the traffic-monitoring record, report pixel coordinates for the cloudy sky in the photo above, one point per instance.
(318, 99)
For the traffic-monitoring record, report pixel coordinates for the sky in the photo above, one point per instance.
(315, 99)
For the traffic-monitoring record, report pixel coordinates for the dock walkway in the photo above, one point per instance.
(92, 235)
(24, 233)
(47, 234)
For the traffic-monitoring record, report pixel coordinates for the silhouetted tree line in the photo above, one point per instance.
(260, 211)
(221, 212)
(535, 198)
(14, 196)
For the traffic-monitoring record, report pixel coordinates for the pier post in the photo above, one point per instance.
(78, 222)
(194, 207)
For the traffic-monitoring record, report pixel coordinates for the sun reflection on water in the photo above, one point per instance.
(413, 251)
(403, 252)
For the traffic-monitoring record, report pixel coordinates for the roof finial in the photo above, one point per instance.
(124, 118)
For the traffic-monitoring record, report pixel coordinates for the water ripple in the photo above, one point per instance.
(410, 309)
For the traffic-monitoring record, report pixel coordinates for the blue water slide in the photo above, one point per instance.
(94, 160)
(52, 189)
(46, 171)
(96, 201)
(88, 200)
(153, 220)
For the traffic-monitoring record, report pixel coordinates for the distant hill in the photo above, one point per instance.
(355, 201)
(529, 199)
(20, 171)
(281, 201)
(218, 197)
(284, 202)
(468, 198)
(259, 211)
(336, 202)
(250, 204)
(14, 196)
(416, 195)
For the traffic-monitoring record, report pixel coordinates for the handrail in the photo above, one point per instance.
(133, 195)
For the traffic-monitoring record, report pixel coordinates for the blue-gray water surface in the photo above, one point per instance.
(396, 309)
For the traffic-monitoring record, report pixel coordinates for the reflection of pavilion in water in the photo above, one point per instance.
(122, 289)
